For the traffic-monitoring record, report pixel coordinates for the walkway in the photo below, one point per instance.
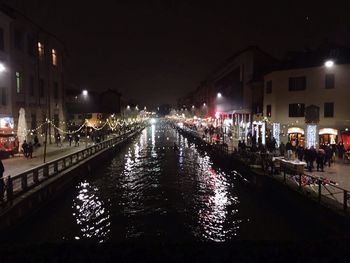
(19, 163)
(339, 171)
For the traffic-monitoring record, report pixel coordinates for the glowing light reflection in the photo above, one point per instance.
(90, 213)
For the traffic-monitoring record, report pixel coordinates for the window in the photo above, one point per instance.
(2, 40)
(269, 87)
(31, 86)
(296, 110)
(18, 39)
(55, 90)
(54, 57)
(298, 83)
(31, 45)
(328, 109)
(268, 110)
(41, 51)
(3, 97)
(330, 81)
(41, 88)
(18, 82)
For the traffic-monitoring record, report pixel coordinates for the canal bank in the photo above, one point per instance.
(148, 191)
(29, 191)
(288, 197)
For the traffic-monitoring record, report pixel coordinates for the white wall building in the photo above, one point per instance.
(289, 94)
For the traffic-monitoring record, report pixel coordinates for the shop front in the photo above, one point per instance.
(328, 136)
(296, 136)
(345, 138)
(8, 145)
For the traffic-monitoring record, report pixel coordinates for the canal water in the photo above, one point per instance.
(149, 191)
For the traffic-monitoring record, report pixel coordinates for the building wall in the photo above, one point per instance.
(24, 58)
(5, 76)
(314, 94)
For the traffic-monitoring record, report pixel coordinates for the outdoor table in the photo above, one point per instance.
(292, 165)
(295, 166)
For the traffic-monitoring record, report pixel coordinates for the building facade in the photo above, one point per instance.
(34, 77)
(308, 106)
(94, 106)
(233, 92)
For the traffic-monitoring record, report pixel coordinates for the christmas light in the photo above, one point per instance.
(276, 130)
(311, 135)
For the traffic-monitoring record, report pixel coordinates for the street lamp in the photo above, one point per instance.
(204, 104)
(85, 92)
(2, 67)
(219, 95)
(329, 63)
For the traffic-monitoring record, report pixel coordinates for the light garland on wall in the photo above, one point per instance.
(276, 131)
(311, 135)
(112, 126)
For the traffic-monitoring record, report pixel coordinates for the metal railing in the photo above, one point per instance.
(19, 184)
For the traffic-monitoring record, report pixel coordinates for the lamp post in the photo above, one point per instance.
(86, 132)
(85, 94)
(219, 117)
(45, 143)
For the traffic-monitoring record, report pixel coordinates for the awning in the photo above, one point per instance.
(295, 130)
(328, 131)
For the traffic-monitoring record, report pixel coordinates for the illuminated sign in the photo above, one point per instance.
(6, 123)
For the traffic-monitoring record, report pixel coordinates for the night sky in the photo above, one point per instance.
(157, 51)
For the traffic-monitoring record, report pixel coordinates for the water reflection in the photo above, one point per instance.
(215, 200)
(90, 214)
(150, 191)
(152, 182)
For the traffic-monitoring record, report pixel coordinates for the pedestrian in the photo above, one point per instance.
(25, 148)
(273, 145)
(70, 139)
(320, 159)
(282, 149)
(76, 139)
(58, 139)
(329, 154)
(36, 141)
(300, 152)
(312, 154)
(341, 150)
(289, 148)
(2, 183)
(30, 150)
(243, 145)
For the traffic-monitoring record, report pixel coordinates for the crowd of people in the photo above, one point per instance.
(324, 155)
